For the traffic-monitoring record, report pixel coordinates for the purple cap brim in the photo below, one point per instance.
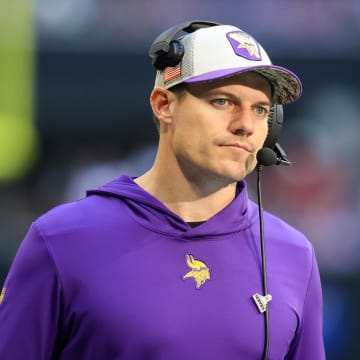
(287, 86)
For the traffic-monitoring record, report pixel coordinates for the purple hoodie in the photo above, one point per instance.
(117, 275)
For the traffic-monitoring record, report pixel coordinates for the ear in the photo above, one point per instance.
(161, 101)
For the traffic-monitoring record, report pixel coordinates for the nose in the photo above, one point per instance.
(242, 123)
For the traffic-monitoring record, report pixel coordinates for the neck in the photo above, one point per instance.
(189, 199)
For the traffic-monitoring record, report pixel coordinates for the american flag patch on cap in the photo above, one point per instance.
(172, 72)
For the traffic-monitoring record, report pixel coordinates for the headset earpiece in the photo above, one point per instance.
(166, 50)
(275, 122)
(171, 58)
(272, 153)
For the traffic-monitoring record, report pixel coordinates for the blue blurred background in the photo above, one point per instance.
(75, 79)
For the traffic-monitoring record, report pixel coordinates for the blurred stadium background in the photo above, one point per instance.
(74, 84)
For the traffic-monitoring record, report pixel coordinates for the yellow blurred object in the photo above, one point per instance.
(18, 135)
(18, 147)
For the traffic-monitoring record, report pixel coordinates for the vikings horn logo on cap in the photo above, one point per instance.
(244, 45)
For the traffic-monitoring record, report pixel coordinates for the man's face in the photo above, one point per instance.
(217, 127)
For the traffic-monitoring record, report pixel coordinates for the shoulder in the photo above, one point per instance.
(288, 244)
(290, 253)
(81, 234)
(281, 232)
(288, 249)
(72, 217)
(277, 230)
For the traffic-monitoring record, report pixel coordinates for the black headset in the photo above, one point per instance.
(167, 50)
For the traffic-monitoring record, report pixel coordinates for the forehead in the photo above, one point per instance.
(248, 79)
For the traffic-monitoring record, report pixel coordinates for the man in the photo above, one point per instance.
(168, 265)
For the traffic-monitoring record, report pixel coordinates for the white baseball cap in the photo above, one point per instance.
(222, 51)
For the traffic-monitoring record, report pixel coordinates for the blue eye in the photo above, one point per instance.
(260, 110)
(222, 101)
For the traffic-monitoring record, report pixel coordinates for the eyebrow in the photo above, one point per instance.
(265, 103)
(230, 95)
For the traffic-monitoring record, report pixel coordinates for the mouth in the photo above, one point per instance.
(238, 146)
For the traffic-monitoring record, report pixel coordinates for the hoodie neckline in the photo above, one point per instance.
(155, 216)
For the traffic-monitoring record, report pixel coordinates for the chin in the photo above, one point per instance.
(237, 173)
(230, 177)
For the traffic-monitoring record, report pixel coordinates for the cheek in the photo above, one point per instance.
(250, 164)
(184, 138)
(192, 133)
(262, 135)
(194, 145)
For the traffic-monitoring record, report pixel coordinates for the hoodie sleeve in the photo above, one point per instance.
(30, 303)
(308, 343)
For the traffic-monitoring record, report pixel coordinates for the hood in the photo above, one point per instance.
(154, 215)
